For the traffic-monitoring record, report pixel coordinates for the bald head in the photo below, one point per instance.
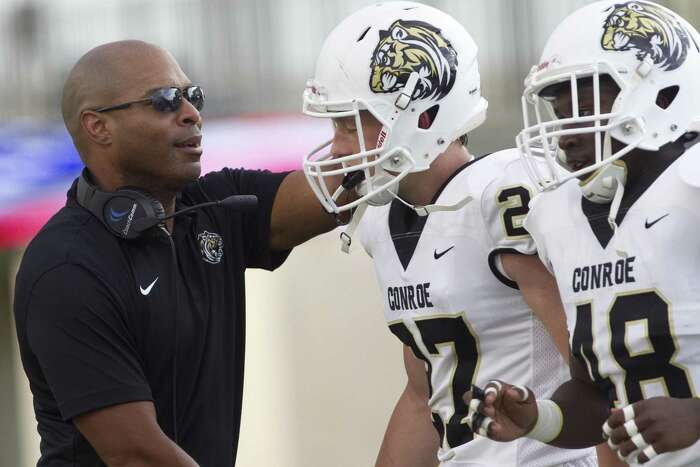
(108, 73)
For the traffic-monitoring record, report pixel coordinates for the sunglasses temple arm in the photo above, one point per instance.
(121, 106)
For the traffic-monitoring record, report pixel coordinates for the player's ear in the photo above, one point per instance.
(95, 127)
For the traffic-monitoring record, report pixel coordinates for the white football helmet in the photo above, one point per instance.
(647, 50)
(395, 60)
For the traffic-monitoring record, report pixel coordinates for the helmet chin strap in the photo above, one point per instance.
(600, 186)
(385, 197)
(346, 235)
(391, 193)
(425, 210)
(607, 185)
(614, 208)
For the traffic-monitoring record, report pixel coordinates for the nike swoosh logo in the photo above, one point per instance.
(437, 255)
(147, 290)
(117, 215)
(648, 224)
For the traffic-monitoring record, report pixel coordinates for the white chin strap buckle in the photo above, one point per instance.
(425, 210)
(422, 211)
(404, 99)
(346, 235)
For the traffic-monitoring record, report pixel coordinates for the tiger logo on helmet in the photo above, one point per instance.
(413, 46)
(650, 30)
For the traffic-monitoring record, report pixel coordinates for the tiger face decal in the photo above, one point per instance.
(648, 29)
(211, 245)
(413, 46)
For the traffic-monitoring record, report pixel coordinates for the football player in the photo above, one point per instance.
(400, 82)
(615, 100)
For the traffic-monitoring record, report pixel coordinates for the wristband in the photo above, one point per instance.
(549, 423)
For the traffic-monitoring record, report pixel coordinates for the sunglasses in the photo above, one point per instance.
(165, 100)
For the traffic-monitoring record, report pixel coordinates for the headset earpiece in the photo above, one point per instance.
(119, 209)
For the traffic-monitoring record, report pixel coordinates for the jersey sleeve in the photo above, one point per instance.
(533, 225)
(256, 225)
(77, 332)
(504, 206)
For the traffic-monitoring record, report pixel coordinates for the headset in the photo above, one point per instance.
(119, 210)
(128, 212)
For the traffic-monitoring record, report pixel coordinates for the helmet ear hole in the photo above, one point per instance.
(666, 96)
(426, 119)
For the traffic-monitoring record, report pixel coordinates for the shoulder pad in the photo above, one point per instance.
(512, 152)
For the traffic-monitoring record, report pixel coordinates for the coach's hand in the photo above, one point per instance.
(641, 431)
(501, 411)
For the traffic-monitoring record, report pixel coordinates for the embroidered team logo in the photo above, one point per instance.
(413, 46)
(211, 245)
(649, 30)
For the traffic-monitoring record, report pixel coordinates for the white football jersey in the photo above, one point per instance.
(446, 297)
(631, 299)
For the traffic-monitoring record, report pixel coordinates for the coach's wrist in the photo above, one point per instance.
(550, 421)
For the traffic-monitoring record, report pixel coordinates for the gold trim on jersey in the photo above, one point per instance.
(471, 331)
(648, 347)
(589, 366)
(671, 328)
(453, 368)
(603, 374)
(396, 321)
(643, 383)
(618, 379)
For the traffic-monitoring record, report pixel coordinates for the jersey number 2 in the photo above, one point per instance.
(447, 331)
(513, 202)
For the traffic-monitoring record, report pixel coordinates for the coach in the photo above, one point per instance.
(132, 327)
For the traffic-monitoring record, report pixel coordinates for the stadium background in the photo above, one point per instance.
(323, 372)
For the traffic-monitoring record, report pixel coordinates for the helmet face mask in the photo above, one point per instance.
(321, 164)
(652, 56)
(576, 104)
(414, 70)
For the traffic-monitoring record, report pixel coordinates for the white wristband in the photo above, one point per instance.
(549, 421)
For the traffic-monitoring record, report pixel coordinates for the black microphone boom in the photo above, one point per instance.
(240, 203)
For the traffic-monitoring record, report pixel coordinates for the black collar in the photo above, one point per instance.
(406, 226)
(598, 213)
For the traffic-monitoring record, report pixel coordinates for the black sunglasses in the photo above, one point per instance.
(165, 100)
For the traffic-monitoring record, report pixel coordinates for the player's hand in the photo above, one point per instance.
(641, 431)
(501, 411)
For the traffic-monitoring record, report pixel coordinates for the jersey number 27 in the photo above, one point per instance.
(453, 331)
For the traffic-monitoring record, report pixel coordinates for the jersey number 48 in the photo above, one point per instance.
(653, 364)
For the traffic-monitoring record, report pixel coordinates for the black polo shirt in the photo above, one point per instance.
(99, 325)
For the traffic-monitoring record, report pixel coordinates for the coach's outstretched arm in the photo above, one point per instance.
(297, 215)
(571, 419)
